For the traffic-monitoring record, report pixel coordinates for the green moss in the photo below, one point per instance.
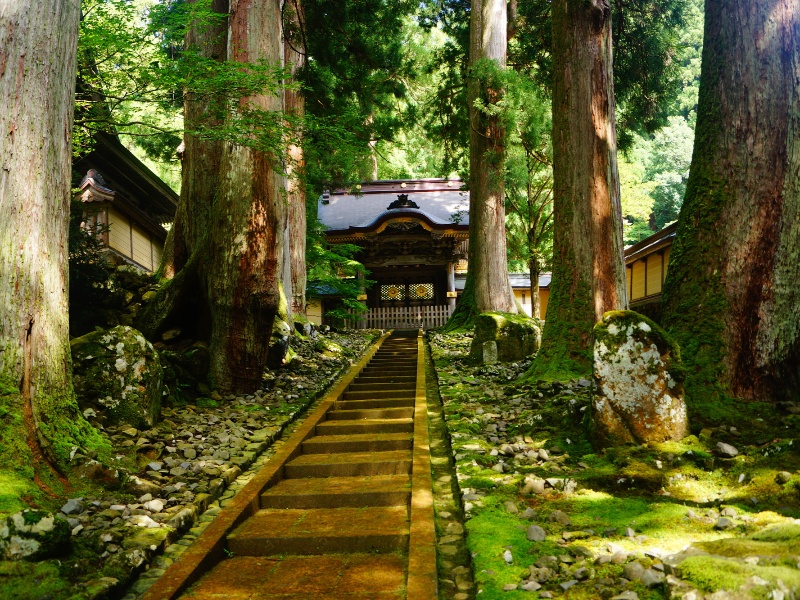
(23, 580)
(710, 573)
(206, 403)
(566, 351)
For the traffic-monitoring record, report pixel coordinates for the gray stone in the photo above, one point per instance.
(783, 477)
(652, 578)
(530, 586)
(118, 374)
(508, 557)
(565, 585)
(33, 535)
(619, 557)
(726, 450)
(535, 534)
(639, 382)
(559, 517)
(724, 523)
(504, 337)
(73, 506)
(633, 571)
(511, 507)
(528, 514)
(626, 596)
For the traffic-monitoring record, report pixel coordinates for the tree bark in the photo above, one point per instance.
(294, 105)
(37, 86)
(488, 263)
(183, 301)
(731, 294)
(247, 242)
(588, 266)
(533, 267)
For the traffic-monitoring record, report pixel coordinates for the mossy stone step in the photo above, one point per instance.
(321, 530)
(376, 403)
(368, 442)
(333, 577)
(338, 492)
(371, 413)
(377, 385)
(365, 426)
(386, 378)
(349, 464)
(394, 371)
(378, 394)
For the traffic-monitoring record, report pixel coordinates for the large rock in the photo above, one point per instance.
(638, 382)
(118, 374)
(503, 337)
(33, 535)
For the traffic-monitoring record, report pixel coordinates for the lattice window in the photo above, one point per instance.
(421, 291)
(393, 292)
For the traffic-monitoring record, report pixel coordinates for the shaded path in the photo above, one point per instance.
(341, 497)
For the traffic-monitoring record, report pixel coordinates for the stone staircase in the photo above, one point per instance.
(337, 524)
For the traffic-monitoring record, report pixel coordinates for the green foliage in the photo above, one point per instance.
(134, 75)
(354, 81)
(334, 273)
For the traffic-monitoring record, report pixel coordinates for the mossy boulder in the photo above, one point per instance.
(639, 382)
(504, 337)
(33, 535)
(118, 373)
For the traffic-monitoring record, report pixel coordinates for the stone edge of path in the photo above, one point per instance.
(422, 582)
(208, 548)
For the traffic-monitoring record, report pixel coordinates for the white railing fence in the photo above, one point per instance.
(402, 317)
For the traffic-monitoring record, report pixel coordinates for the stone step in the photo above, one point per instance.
(349, 464)
(366, 386)
(406, 361)
(338, 492)
(377, 403)
(371, 413)
(382, 372)
(378, 395)
(365, 426)
(368, 442)
(332, 577)
(387, 378)
(321, 530)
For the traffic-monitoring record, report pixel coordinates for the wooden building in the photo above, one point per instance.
(125, 202)
(413, 236)
(646, 265)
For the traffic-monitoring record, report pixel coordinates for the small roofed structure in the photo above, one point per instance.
(412, 234)
(125, 202)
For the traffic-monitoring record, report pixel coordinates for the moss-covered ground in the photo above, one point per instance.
(736, 516)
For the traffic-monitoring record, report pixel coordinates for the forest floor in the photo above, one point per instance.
(546, 515)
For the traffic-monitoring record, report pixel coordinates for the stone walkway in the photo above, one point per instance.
(351, 502)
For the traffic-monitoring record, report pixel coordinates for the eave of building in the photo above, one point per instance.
(95, 194)
(658, 241)
(123, 171)
(354, 234)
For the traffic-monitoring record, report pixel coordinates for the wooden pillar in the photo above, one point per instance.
(451, 284)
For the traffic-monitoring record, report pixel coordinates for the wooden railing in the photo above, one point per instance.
(402, 317)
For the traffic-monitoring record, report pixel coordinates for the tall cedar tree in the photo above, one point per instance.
(488, 266)
(37, 85)
(588, 267)
(229, 248)
(731, 294)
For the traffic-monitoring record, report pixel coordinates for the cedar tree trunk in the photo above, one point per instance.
(183, 302)
(488, 263)
(731, 296)
(535, 269)
(247, 241)
(588, 266)
(37, 86)
(294, 50)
